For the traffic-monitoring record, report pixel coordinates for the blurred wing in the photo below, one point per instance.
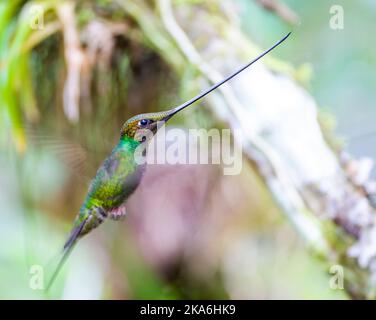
(73, 155)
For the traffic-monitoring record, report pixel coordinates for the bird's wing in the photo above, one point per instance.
(73, 155)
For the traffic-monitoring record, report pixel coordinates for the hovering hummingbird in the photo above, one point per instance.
(120, 174)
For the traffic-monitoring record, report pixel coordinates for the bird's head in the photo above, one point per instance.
(146, 124)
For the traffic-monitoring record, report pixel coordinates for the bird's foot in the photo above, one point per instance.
(117, 213)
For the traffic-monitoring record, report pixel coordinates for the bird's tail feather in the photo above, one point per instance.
(68, 247)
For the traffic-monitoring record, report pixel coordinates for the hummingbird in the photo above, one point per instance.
(120, 174)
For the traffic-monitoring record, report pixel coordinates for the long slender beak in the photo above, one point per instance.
(177, 109)
(169, 114)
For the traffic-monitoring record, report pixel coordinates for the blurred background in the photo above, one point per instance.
(66, 87)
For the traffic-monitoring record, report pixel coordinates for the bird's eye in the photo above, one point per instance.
(143, 122)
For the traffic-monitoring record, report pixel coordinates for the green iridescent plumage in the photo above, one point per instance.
(114, 182)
